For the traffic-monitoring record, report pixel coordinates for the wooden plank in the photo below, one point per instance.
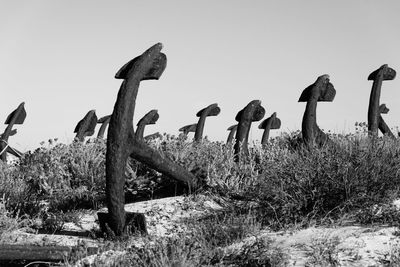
(30, 252)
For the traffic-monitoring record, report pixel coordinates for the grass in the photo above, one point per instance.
(353, 177)
(323, 251)
(392, 257)
(9, 223)
(205, 245)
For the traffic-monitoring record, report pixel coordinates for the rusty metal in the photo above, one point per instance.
(152, 136)
(268, 124)
(191, 128)
(104, 123)
(232, 131)
(211, 110)
(150, 118)
(384, 73)
(320, 91)
(86, 126)
(252, 112)
(382, 126)
(16, 117)
(121, 140)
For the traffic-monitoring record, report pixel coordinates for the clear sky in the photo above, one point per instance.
(60, 58)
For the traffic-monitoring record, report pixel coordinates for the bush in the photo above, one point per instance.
(66, 177)
(296, 184)
(291, 183)
(310, 183)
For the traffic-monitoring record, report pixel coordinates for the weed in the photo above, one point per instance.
(379, 214)
(392, 257)
(323, 251)
(10, 222)
(203, 246)
(353, 175)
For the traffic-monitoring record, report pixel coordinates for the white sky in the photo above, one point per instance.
(60, 57)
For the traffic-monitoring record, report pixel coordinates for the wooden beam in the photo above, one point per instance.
(32, 252)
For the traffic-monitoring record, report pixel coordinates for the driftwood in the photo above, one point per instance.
(104, 123)
(320, 90)
(252, 112)
(16, 117)
(270, 123)
(38, 253)
(150, 118)
(211, 110)
(121, 141)
(86, 126)
(384, 73)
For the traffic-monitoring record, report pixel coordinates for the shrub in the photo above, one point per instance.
(310, 183)
(13, 188)
(292, 183)
(65, 176)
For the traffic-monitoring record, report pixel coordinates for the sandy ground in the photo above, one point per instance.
(315, 246)
(343, 246)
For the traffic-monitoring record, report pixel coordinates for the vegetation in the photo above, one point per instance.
(352, 177)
